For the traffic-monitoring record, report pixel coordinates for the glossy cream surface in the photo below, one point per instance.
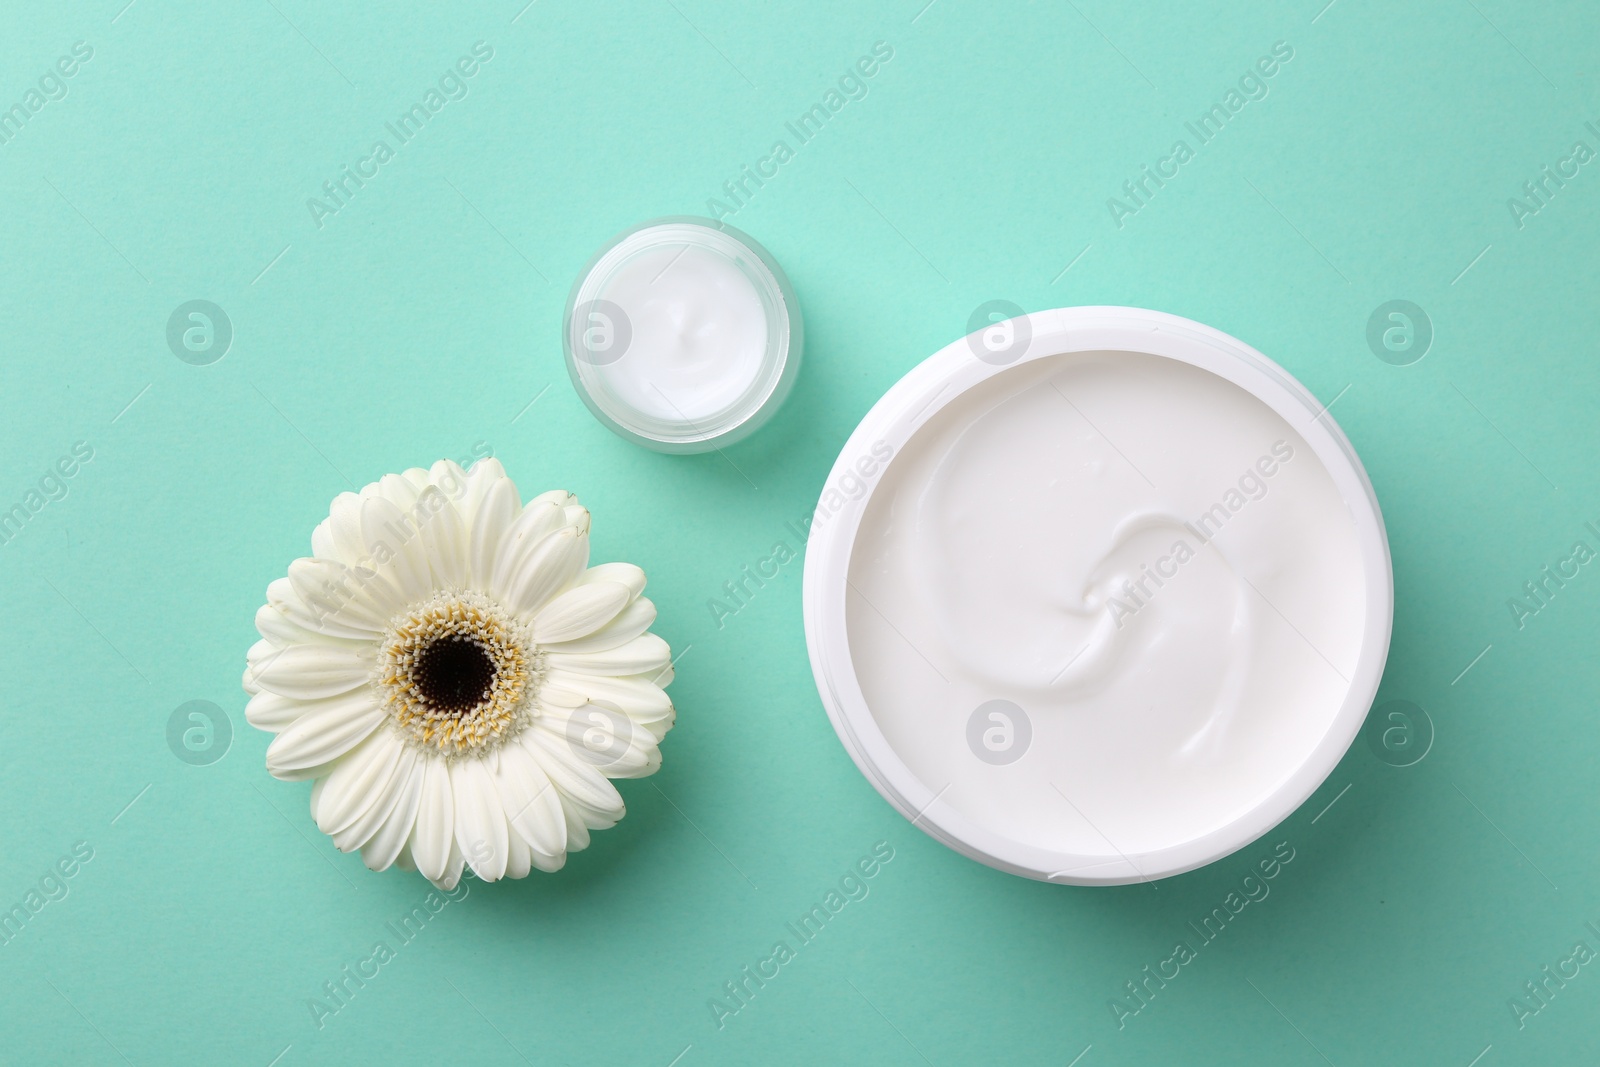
(1105, 602)
(698, 330)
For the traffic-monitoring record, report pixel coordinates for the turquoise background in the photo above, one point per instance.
(421, 320)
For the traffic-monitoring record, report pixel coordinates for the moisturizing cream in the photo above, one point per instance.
(1116, 605)
(683, 335)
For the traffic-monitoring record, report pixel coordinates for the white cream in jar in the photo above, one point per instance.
(698, 333)
(683, 335)
(1108, 613)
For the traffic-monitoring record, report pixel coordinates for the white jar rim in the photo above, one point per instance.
(939, 381)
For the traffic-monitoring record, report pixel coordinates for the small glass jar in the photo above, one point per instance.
(682, 335)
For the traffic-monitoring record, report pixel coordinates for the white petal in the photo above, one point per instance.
(444, 539)
(634, 620)
(559, 497)
(452, 868)
(385, 796)
(626, 573)
(617, 749)
(489, 525)
(548, 864)
(531, 801)
(580, 611)
(334, 592)
(519, 858)
(640, 698)
(391, 838)
(577, 517)
(344, 528)
(480, 821)
(282, 597)
(400, 490)
(591, 818)
(274, 626)
(328, 729)
(351, 787)
(436, 821)
(658, 728)
(652, 764)
(488, 468)
(314, 774)
(646, 654)
(390, 535)
(572, 773)
(259, 653)
(482, 475)
(379, 590)
(322, 541)
(448, 477)
(577, 832)
(255, 656)
(546, 571)
(538, 520)
(317, 670)
(273, 713)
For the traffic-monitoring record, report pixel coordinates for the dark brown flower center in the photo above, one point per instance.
(456, 673)
(453, 674)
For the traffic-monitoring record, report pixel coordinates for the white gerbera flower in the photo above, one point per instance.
(458, 683)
